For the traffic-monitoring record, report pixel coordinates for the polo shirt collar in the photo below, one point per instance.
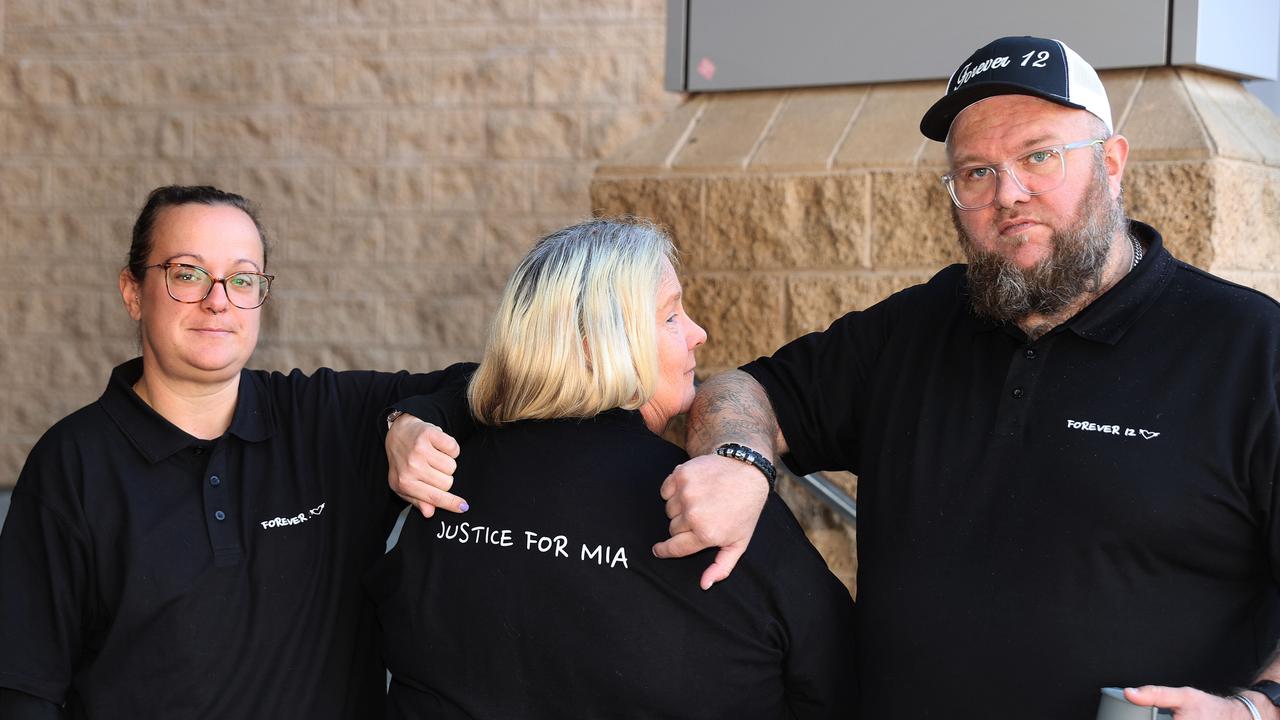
(157, 438)
(1106, 319)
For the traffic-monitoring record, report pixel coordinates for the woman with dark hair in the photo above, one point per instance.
(546, 602)
(190, 545)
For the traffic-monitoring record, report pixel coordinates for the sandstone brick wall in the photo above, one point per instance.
(405, 153)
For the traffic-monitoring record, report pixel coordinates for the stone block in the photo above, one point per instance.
(1246, 208)
(1217, 102)
(743, 314)
(32, 412)
(409, 135)
(725, 133)
(318, 240)
(508, 239)
(373, 187)
(533, 134)
(300, 9)
(675, 203)
(210, 81)
(489, 80)
(87, 365)
(814, 301)
(460, 38)
(21, 185)
(21, 82)
(110, 186)
(886, 132)
(430, 321)
(1178, 199)
(506, 187)
(290, 187)
(650, 77)
(562, 188)
(95, 12)
(652, 150)
(155, 174)
(649, 9)
(797, 222)
(1240, 125)
(583, 9)
(808, 129)
(435, 242)
(338, 134)
(146, 134)
(185, 10)
(247, 135)
(347, 319)
(609, 130)
(51, 132)
(109, 83)
(58, 314)
(382, 81)
(58, 236)
(562, 78)
(1162, 123)
(911, 226)
(482, 10)
(365, 11)
(26, 13)
(308, 80)
(1121, 87)
(459, 134)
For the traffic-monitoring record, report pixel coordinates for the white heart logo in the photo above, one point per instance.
(1146, 434)
(320, 508)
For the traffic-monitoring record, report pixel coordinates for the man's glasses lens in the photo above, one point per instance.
(1037, 172)
(190, 284)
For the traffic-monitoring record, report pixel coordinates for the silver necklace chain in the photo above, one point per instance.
(1137, 252)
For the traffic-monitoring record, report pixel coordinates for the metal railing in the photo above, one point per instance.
(827, 493)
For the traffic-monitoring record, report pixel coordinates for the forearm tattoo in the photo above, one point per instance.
(732, 407)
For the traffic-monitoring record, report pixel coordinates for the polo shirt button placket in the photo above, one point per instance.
(1017, 393)
(1029, 353)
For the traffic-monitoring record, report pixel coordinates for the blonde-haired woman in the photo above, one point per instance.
(545, 602)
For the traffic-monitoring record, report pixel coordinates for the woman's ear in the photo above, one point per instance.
(131, 294)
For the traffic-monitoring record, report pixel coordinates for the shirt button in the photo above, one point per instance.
(219, 515)
(215, 481)
(199, 451)
(1030, 354)
(1017, 393)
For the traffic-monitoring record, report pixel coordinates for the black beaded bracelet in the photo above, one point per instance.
(747, 455)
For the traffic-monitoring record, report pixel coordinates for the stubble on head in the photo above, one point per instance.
(1001, 291)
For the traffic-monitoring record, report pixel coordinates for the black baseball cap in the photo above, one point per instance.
(1026, 65)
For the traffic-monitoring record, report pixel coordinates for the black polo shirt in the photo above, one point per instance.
(146, 573)
(1041, 519)
(545, 601)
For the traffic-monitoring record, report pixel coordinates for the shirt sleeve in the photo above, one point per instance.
(446, 407)
(45, 587)
(16, 705)
(817, 385)
(819, 670)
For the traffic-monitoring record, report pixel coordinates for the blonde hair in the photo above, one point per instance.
(575, 332)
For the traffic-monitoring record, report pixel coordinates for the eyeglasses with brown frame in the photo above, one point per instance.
(192, 284)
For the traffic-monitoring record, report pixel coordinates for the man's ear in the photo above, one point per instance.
(1115, 155)
(131, 294)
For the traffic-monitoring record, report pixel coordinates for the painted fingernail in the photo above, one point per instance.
(464, 507)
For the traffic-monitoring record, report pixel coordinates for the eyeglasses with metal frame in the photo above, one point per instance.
(192, 284)
(1037, 172)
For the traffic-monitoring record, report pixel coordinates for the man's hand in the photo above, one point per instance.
(712, 501)
(1191, 704)
(421, 463)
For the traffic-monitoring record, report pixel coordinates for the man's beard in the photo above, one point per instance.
(1000, 290)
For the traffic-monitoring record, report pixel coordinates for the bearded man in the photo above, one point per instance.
(1067, 448)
